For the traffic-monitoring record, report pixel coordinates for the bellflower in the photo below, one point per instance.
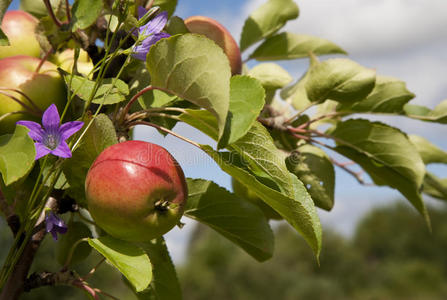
(54, 225)
(150, 33)
(51, 138)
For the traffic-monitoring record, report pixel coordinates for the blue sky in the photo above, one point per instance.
(404, 39)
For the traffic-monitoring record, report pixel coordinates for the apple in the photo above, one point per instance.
(19, 27)
(219, 34)
(135, 191)
(65, 61)
(43, 88)
(240, 190)
(37, 7)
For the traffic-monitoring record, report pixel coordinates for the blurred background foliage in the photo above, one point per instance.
(391, 255)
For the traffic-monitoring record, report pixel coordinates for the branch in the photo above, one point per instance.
(344, 166)
(51, 13)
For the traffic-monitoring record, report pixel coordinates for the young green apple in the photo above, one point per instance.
(18, 77)
(65, 61)
(240, 190)
(219, 34)
(136, 191)
(19, 27)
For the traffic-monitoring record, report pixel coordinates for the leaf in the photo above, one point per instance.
(288, 45)
(239, 221)
(339, 79)
(165, 284)
(271, 76)
(17, 154)
(299, 210)
(84, 13)
(99, 136)
(246, 102)
(166, 5)
(314, 168)
(195, 69)
(428, 151)
(3, 39)
(266, 20)
(386, 154)
(388, 96)
(437, 115)
(128, 258)
(111, 90)
(435, 187)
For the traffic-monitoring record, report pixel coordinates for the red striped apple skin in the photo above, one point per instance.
(220, 35)
(126, 185)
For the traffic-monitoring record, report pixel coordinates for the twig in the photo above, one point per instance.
(43, 60)
(306, 124)
(105, 294)
(93, 270)
(67, 10)
(343, 166)
(51, 13)
(165, 130)
(299, 113)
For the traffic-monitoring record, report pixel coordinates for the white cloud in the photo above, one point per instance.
(370, 26)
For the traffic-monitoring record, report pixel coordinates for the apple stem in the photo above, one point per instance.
(165, 130)
(51, 13)
(43, 60)
(93, 270)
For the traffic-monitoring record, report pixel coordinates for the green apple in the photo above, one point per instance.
(43, 88)
(135, 191)
(37, 7)
(19, 27)
(240, 190)
(219, 34)
(65, 61)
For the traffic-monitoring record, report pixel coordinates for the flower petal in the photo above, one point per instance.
(70, 128)
(50, 118)
(62, 150)
(141, 12)
(140, 51)
(155, 25)
(35, 130)
(41, 150)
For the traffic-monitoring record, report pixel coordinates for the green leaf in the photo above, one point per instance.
(246, 102)
(314, 168)
(299, 210)
(84, 13)
(166, 5)
(128, 258)
(386, 154)
(17, 154)
(435, 187)
(3, 39)
(428, 152)
(271, 75)
(288, 45)
(99, 136)
(388, 96)
(339, 79)
(111, 90)
(266, 20)
(437, 115)
(176, 25)
(195, 69)
(165, 284)
(296, 93)
(240, 221)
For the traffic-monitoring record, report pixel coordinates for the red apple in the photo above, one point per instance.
(136, 191)
(43, 88)
(219, 34)
(240, 190)
(19, 27)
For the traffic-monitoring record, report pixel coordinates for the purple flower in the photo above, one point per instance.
(151, 32)
(54, 225)
(51, 138)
